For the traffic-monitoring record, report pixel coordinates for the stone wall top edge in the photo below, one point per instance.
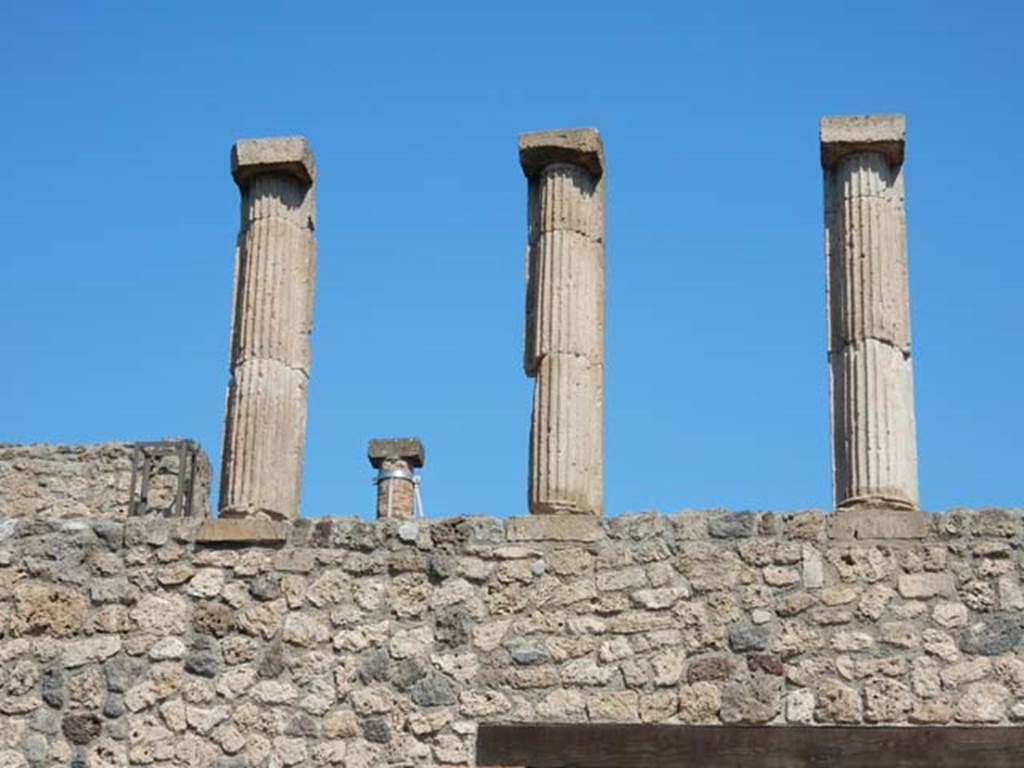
(78, 448)
(64, 447)
(347, 532)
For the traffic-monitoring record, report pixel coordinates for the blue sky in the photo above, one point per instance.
(118, 217)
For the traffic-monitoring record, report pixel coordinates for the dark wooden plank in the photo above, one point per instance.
(618, 745)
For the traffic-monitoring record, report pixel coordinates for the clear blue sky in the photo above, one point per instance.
(118, 217)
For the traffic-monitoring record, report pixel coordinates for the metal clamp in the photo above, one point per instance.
(394, 474)
(398, 473)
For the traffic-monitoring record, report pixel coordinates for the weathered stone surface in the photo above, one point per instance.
(699, 703)
(432, 691)
(950, 614)
(746, 637)
(845, 134)
(254, 653)
(41, 609)
(85, 689)
(756, 701)
(160, 615)
(874, 523)
(813, 569)
(83, 480)
(264, 436)
(235, 530)
(982, 703)
(52, 686)
(886, 700)
(836, 703)
(564, 339)
(304, 630)
(210, 618)
(800, 707)
(925, 585)
(204, 659)
(967, 671)
(996, 522)
(614, 706)
(290, 155)
(716, 667)
(733, 525)
(80, 729)
(554, 528)
(576, 146)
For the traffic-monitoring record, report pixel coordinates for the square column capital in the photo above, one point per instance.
(576, 146)
(282, 154)
(842, 135)
(407, 449)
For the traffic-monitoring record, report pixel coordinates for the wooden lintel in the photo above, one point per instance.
(621, 745)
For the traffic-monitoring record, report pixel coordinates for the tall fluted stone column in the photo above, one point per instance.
(874, 449)
(564, 344)
(265, 426)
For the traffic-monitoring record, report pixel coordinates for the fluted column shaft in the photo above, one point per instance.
(874, 448)
(265, 425)
(564, 340)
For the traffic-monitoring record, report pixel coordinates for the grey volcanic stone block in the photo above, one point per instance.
(304, 726)
(52, 687)
(527, 653)
(993, 634)
(272, 664)
(204, 660)
(433, 691)
(749, 637)
(733, 525)
(266, 586)
(121, 672)
(81, 728)
(376, 730)
(114, 705)
(376, 667)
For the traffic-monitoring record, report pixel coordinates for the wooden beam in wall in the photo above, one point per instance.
(622, 745)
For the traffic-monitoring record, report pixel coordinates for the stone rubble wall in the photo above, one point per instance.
(385, 643)
(78, 480)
